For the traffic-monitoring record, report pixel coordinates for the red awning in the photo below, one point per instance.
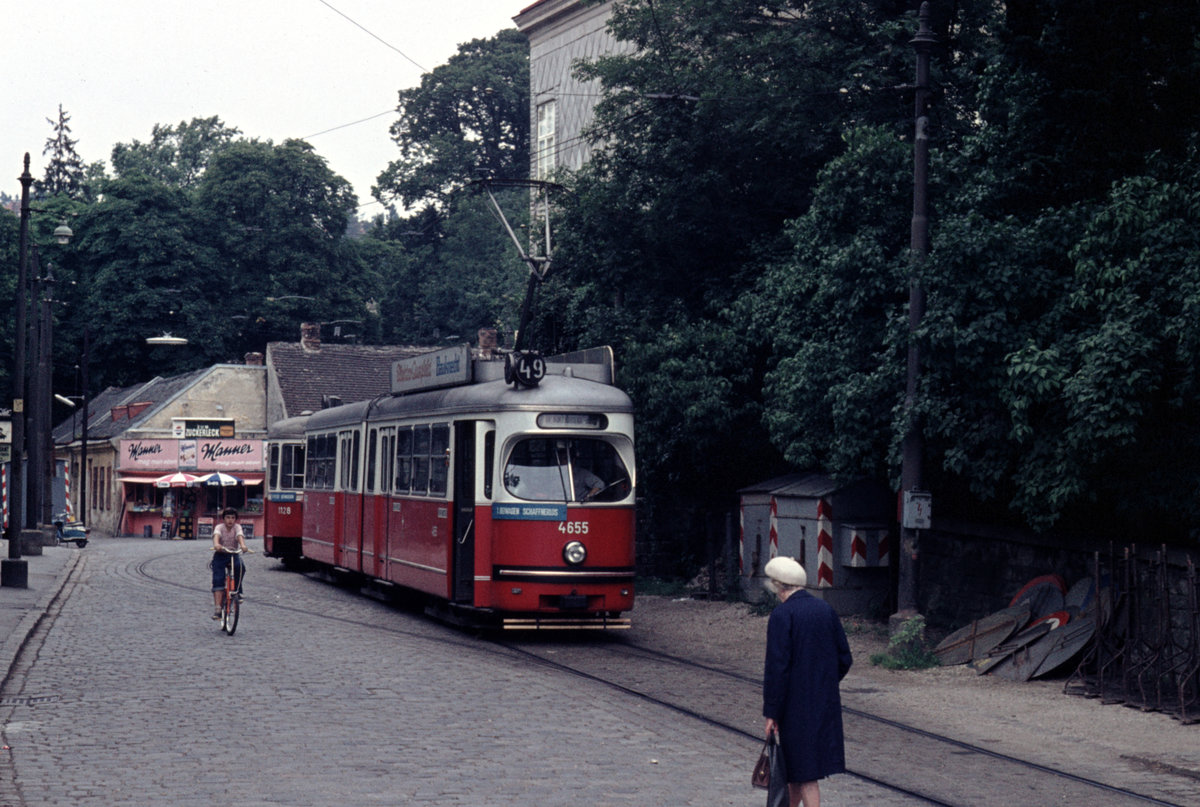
(139, 478)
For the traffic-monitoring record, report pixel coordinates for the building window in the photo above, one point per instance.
(546, 143)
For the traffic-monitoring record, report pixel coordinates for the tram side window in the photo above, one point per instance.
(291, 467)
(310, 471)
(489, 456)
(350, 442)
(387, 450)
(344, 460)
(403, 460)
(328, 459)
(320, 456)
(420, 477)
(439, 459)
(287, 466)
(372, 453)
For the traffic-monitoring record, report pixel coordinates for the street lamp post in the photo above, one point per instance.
(83, 439)
(44, 489)
(30, 498)
(14, 571)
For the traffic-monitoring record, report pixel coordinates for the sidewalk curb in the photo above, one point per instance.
(14, 643)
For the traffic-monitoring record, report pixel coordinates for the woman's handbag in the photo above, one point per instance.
(769, 773)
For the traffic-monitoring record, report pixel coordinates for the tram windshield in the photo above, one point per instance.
(545, 469)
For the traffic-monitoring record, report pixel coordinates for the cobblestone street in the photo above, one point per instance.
(129, 694)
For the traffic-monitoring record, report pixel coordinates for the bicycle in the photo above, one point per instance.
(230, 605)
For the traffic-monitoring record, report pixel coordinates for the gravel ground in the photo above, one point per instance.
(1036, 719)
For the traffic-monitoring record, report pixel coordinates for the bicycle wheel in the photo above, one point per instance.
(231, 614)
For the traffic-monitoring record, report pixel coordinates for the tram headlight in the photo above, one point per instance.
(574, 553)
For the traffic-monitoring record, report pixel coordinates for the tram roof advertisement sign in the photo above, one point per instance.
(449, 367)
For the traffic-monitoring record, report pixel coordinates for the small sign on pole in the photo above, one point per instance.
(5, 431)
(918, 510)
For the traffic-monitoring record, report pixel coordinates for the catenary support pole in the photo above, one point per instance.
(914, 445)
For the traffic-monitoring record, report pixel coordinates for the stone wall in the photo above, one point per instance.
(969, 571)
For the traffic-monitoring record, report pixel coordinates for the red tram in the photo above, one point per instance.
(502, 490)
(283, 508)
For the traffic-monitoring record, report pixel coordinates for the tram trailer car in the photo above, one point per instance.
(283, 516)
(501, 490)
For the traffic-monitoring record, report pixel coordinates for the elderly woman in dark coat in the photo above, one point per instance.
(807, 655)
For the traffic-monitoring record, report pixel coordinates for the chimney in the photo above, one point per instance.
(488, 342)
(310, 336)
(253, 359)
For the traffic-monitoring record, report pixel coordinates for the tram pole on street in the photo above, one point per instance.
(914, 444)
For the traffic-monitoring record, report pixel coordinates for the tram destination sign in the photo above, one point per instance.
(440, 368)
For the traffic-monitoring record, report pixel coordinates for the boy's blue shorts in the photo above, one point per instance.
(220, 563)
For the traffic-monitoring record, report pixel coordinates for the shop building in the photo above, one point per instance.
(207, 421)
(193, 424)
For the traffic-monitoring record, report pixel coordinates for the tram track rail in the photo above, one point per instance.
(1070, 789)
(942, 739)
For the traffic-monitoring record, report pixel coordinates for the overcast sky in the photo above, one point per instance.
(326, 71)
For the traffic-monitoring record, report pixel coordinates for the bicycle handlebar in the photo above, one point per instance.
(232, 551)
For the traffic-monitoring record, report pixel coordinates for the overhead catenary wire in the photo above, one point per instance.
(372, 34)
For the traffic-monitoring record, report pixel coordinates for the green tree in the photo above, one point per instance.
(1069, 76)
(65, 172)
(176, 155)
(454, 272)
(9, 226)
(712, 136)
(277, 215)
(833, 314)
(454, 269)
(1100, 396)
(148, 268)
(468, 119)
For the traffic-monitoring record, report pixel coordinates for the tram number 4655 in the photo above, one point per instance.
(573, 527)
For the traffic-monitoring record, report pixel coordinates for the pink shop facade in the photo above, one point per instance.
(153, 504)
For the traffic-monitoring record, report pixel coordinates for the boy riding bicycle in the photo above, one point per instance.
(227, 538)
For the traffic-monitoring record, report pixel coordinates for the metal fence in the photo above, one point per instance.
(1146, 652)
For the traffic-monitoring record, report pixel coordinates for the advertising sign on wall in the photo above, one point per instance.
(191, 455)
(212, 428)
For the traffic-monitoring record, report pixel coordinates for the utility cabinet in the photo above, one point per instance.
(841, 533)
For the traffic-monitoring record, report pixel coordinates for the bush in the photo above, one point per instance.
(907, 649)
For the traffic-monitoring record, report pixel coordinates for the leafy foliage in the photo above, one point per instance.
(1051, 352)
(65, 172)
(176, 155)
(468, 119)
(908, 649)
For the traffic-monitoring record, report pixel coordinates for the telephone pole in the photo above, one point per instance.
(913, 446)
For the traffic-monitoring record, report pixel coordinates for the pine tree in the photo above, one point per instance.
(65, 171)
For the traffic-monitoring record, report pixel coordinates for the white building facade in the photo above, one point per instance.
(561, 33)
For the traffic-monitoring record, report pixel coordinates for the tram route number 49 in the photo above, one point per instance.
(524, 369)
(573, 527)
